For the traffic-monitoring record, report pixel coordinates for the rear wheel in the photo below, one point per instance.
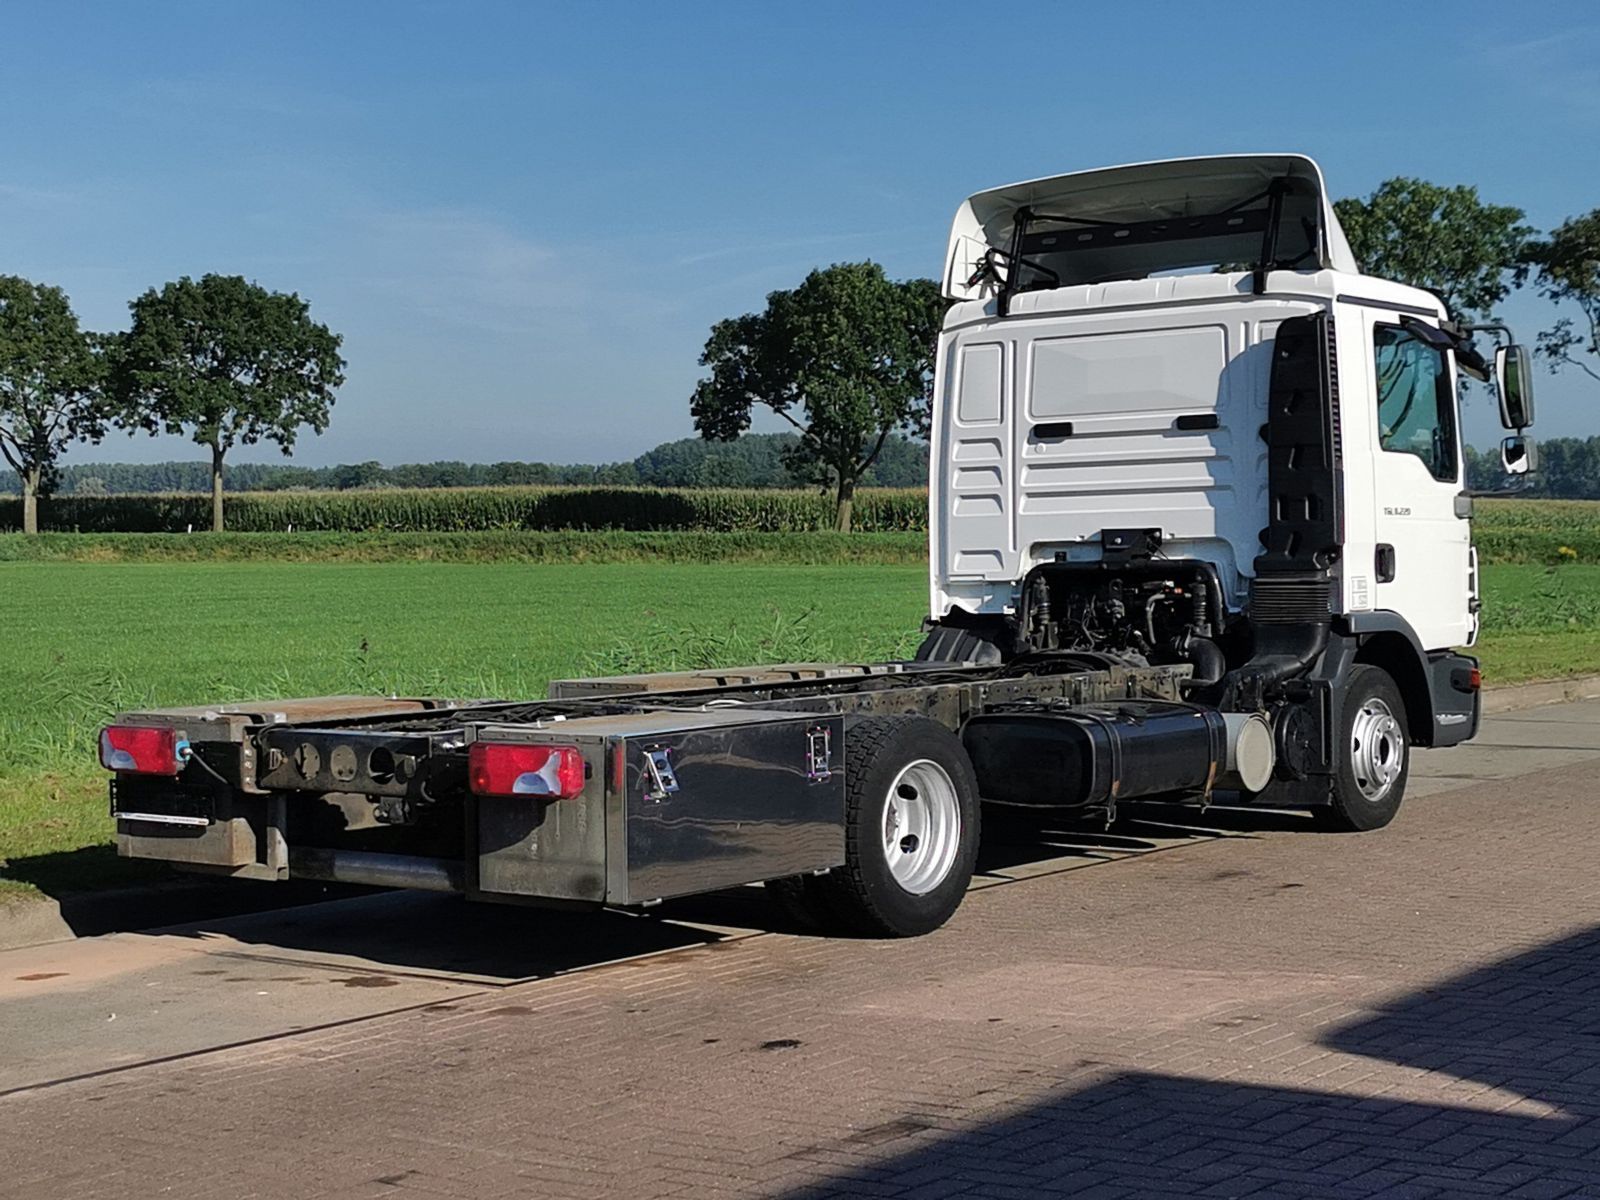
(911, 829)
(1375, 754)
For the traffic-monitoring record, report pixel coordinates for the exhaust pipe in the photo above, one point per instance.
(376, 870)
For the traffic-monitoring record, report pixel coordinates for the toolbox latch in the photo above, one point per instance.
(819, 753)
(663, 780)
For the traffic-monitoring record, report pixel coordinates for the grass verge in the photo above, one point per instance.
(57, 838)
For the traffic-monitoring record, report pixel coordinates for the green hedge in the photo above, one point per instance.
(463, 510)
(817, 548)
(1512, 531)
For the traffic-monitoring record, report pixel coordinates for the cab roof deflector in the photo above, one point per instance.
(1253, 211)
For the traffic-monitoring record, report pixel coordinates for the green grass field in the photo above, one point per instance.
(86, 639)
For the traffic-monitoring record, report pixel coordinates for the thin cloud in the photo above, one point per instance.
(1563, 68)
(39, 197)
(470, 268)
(779, 245)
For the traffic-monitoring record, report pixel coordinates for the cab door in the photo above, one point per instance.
(1422, 568)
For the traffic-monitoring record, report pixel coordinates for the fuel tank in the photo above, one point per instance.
(1092, 756)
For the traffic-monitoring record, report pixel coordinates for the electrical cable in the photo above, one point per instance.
(189, 756)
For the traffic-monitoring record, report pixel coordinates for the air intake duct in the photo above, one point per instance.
(1092, 756)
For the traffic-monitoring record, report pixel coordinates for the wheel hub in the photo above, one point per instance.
(1377, 749)
(921, 826)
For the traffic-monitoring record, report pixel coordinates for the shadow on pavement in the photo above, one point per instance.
(430, 933)
(97, 893)
(1529, 1025)
(1138, 1135)
(426, 933)
(1019, 837)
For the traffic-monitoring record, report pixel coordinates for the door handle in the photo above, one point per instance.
(1464, 505)
(1383, 563)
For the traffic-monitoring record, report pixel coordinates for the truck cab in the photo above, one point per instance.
(1174, 422)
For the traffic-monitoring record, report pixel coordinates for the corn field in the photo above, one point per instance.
(1512, 531)
(465, 510)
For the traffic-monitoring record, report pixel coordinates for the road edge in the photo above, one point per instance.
(1511, 697)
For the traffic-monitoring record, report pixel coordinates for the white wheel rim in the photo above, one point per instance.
(1377, 749)
(921, 826)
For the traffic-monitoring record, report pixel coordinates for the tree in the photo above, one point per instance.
(849, 350)
(1441, 238)
(1566, 268)
(49, 386)
(230, 363)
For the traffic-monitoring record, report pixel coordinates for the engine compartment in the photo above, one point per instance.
(1144, 612)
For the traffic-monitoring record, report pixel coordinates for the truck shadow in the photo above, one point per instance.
(442, 934)
(1528, 1025)
(96, 893)
(1022, 838)
(431, 934)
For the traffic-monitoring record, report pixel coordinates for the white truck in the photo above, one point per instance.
(1198, 523)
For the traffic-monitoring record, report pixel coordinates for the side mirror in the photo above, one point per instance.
(1513, 377)
(1519, 455)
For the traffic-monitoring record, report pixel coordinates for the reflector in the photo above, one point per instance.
(142, 749)
(511, 769)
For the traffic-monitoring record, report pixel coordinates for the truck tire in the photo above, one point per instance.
(911, 829)
(1374, 756)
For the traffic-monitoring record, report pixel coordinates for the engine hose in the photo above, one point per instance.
(1150, 615)
(1208, 660)
(1282, 651)
(1039, 613)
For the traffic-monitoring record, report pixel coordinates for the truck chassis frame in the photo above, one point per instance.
(330, 788)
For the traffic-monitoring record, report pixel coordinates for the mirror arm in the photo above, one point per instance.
(1436, 336)
(1494, 328)
(1473, 363)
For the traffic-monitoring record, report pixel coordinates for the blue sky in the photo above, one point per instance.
(524, 218)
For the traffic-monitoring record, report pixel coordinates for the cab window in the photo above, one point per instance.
(1416, 400)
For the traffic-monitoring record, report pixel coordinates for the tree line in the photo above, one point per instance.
(219, 358)
(756, 460)
(1569, 469)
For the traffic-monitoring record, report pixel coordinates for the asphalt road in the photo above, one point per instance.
(120, 1054)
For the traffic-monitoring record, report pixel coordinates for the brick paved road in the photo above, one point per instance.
(1409, 1013)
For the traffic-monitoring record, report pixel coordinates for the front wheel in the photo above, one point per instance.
(911, 829)
(1375, 754)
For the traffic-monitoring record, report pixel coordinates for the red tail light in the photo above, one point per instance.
(142, 750)
(512, 769)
